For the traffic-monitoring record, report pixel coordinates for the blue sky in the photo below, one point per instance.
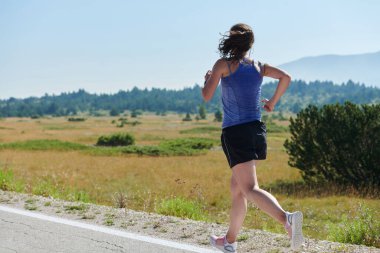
(104, 46)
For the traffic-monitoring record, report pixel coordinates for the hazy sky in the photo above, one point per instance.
(104, 46)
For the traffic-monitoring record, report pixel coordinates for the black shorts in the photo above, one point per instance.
(244, 142)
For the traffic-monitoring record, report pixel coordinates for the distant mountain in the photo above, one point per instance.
(362, 68)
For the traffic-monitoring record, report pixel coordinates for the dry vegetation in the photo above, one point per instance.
(147, 181)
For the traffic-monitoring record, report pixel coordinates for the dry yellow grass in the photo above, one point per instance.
(148, 179)
(153, 129)
(102, 175)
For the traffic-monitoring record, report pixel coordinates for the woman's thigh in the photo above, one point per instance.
(245, 175)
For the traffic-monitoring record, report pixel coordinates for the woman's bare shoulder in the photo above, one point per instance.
(221, 66)
(221, 63)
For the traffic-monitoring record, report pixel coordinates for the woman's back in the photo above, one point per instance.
(241, 92)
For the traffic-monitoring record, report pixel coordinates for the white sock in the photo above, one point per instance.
(287, 217)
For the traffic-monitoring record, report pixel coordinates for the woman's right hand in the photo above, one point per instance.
(208, 74)
(268, 105)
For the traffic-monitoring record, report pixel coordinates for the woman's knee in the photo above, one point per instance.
(235, 188)
(250, 189)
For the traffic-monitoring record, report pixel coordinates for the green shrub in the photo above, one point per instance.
(274, 128)
(337, 143)
(181, 207)
(43, 145)
(8, 181)
(133, 123)
(122, 119)
(78, 195)
(136, 113)
(202, 111)
(187, 117)
(46, 188)
(114, 112)
(76, 207)
(116, 139)
(188, 143)
(146, 150)
(218, 116)
(161, 151)
(76, 119)
(363, 228)
(201, 130)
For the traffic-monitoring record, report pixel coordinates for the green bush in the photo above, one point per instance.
(201, 130)
(76, 119)
(274, 128)
(45, 187)
(202, 112)
(271, 126)
(188, 143)
(133, 123)
(146, 150)
(43, 145)
(181, 207)
(121, 143)
(114, 112)
(116, 139)
(120, 124)
(8, 181)
(185, 147)
(136, 113)
(337, 143)
(363, 228)
(187, 117)
(218, 116)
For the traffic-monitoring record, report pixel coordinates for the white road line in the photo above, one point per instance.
(120, 233)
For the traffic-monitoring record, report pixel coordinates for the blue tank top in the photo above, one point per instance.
(241, 91)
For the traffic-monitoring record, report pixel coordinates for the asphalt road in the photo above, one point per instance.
(30, 232)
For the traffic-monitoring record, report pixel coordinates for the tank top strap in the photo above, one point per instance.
(251, 63)
(229, 67)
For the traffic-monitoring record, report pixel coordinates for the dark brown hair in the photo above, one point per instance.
(235, 45)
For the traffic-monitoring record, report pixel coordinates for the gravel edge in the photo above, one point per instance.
(167, 227)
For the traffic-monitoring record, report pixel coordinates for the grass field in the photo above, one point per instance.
(188, 186)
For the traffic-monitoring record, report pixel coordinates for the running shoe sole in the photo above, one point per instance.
(297, 237)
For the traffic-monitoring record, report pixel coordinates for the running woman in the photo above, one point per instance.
(243, 135)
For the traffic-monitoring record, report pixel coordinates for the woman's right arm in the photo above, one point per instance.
(284, 81)
(212, 79)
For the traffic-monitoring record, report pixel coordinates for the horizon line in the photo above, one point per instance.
(170, 89)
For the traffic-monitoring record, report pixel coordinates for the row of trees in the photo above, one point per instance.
(218, 115)
(299, 95)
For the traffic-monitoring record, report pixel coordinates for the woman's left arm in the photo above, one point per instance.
(212, 79)
(283, 82)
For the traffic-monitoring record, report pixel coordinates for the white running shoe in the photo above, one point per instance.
(294, 222)
(226, 248)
